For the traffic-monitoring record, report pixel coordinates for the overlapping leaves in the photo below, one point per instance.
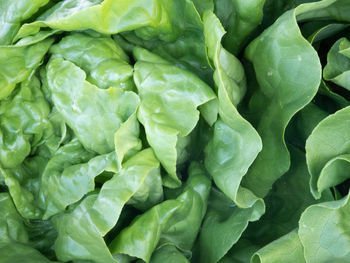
(178, 131)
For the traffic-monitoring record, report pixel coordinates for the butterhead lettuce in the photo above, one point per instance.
(174, 131)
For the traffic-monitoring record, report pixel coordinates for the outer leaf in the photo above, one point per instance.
(286, 84)
(174, 221)
(327, 152)
(14, 245)
(18, 62)
(100, 57)
(27, 129)
(168, 253)
(229, 154)
(226, 222)
(169, 100)
(172, 29)
(69, 175)
(240, 18)
(84, 105)
(12, 14)
(81, 230)
(235, 144)
(337, 69)
(17, 252)
(287, 248)
(24, 122)
(323, 231)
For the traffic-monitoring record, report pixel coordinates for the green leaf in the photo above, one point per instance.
(18, 62)
(17, 252)
(104, 62)
(24, 123)
(14, 240)
(172, 29)
(327, 152)
(223, 225)
(288, 71)
(287, 248)
(168, 253)
(287, 200)
(235, 143)
(84, 105)
(169, 100)
(13, 14)
(240, 18)
(81, 229)
(323, 232)
(69, 175)
(203, 5)
(337, 69)
(174, 222)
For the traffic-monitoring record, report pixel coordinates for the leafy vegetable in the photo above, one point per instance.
(174, 131)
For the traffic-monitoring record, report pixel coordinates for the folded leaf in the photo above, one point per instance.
(69, 175)
(223, 225)
(169, 100)
(239, 18)
(287, 248)
(327, 152)
(174, 222)
(13, 13)
(337, 69)
(84, 105)
(288, 71)
(18, 62)
(235, 143)
(14, 240)
(104, 62)
(81, 229)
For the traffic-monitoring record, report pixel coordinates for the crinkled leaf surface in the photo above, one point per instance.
(169, 100)
(72, 95)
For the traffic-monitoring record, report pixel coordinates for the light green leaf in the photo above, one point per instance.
(69, 175)
(82, 228)
(172, 29)
(169, 100)
(174, 222)
(235, 143)
(223, 225)
(104, 62)
(13, 13)
(84, 105)
(18, 62)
